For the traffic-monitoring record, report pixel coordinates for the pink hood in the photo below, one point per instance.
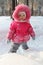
(20, 8)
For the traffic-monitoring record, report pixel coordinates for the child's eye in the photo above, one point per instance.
(23, 15)
(19, 15)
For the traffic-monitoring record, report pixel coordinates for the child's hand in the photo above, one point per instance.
(33, 38)
(8, 41)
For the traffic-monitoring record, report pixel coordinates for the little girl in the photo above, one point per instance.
(20, 29)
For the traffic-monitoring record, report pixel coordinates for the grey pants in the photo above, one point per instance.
(15, 47)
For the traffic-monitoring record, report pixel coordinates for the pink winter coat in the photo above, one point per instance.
(20, 31)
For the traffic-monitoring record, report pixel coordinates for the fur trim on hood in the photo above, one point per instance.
(21, 8)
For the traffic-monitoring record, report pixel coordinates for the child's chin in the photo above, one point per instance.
(22, 20)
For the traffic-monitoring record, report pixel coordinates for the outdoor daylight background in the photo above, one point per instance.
(34, 56)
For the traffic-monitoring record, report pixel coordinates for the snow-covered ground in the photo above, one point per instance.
(35, 54)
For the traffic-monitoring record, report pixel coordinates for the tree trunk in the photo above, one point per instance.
(27, 2)
(14, 3)
(32, 7)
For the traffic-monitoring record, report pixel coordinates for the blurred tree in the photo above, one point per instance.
(14, 3)
(32, 7)
(27, 2)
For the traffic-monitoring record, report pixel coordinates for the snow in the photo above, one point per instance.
(34, 56)
(15, 59)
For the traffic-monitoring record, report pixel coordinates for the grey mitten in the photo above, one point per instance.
(33, 38)
(8, 41)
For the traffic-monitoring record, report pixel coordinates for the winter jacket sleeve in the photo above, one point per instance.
(31, 31)
(11, 31)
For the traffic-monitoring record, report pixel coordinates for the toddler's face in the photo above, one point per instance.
(22, 15)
